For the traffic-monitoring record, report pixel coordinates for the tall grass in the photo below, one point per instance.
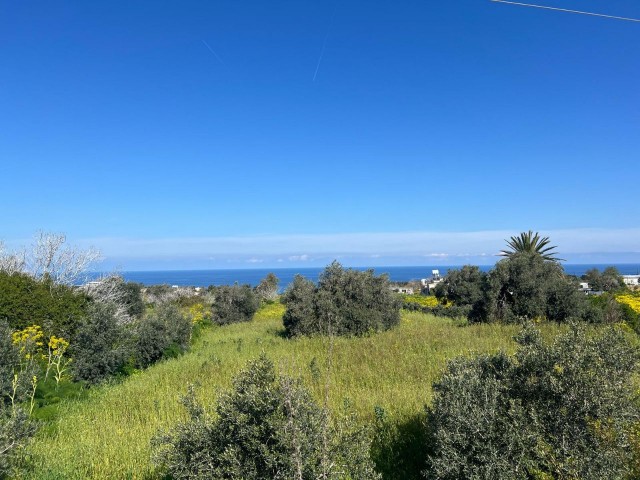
(107, 435)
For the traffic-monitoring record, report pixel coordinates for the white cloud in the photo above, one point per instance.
(299, 258)
(274, 248)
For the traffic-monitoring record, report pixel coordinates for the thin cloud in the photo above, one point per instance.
(385, 244)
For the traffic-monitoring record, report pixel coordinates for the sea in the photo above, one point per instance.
(204, 278)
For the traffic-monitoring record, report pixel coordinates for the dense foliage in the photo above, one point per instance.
(268, 427)
(563, 410)
(9, 360)
(25, 301)
(345, 302)
(163, 333)
(233, 304)
(267, 289)
(608, 280)
(525, 287)
(461, 287)
(102, 347)
(15, 427)
(15, 431)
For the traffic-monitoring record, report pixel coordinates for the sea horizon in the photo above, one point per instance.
(252, 276)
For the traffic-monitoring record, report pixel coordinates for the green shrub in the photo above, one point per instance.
(267, 289)
(9, 360)
(102, 347)
(345, 302)
(163, 333)
(525, 287)
(267, 427)
(461, 287)
(562, 410)
(15, 432)
(606, 309)
(25, 301)
(447, 311)
(300, 317)
(609, 280)
(233, 304)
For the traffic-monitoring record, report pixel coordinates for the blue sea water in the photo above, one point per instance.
(203, 278)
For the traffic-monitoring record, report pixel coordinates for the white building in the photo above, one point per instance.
(631, 280)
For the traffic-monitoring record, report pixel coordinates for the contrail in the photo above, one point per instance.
(569, 11)
(324, 44)
(213, 51)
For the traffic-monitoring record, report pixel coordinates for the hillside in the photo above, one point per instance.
(108, 434)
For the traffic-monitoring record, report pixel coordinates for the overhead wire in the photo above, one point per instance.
(566, 10)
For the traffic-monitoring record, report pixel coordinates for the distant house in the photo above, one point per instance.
(404, 290)
(631, 280)
(587, 290)
(430, 283)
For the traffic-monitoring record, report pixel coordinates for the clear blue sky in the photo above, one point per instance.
(216, 133)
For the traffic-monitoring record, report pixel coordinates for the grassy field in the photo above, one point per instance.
(107, 434)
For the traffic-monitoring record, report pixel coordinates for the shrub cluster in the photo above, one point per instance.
(267, 289)
(345, 302)
(25, 301)
(162, 334)
(564, 410)
(268, 427)
(15, 426)
(522, 287)
(104, 347)
(233, 304)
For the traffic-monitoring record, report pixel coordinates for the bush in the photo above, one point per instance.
(267, 289)
(267, 427)
(447, 311)
(9, 360)
(606, 308)
(462, 287)
(300, 317)
(102, 348)
(233, 304)
(345, 302)
(163, 333)
(15, 432)
(525, 287)
(25, 301)
(607, 281)
(563, 410)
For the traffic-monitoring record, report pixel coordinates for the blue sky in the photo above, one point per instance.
(223, 133)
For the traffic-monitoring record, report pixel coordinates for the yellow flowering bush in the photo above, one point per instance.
(631, 299)
(424, 300)
(29, 341)
(198, 313)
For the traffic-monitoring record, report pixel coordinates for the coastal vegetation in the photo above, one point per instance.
(344, 302)
(339, 379)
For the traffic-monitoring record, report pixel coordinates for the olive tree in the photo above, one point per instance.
(267, 289)
(267, 427)
(345, 302)
(233, 303)
(523, 287)
(559, 410)
(462, 287)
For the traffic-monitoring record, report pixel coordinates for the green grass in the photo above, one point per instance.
(106, 435)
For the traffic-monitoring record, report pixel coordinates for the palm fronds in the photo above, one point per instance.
(528, 242)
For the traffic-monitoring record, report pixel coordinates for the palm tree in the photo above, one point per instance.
(527, 242)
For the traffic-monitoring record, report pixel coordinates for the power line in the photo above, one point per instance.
(569, 11)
